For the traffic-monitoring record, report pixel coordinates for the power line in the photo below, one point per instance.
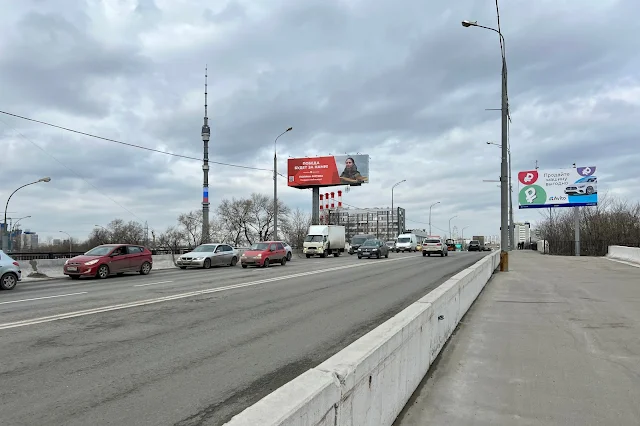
(129, 144)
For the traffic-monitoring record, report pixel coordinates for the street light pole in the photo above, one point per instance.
(69, 242)
(504, 186)
(453, 217)
(392, 211)
(511, 245)
(6, 207)
(275, 184)
(437, 202)
(13, 231)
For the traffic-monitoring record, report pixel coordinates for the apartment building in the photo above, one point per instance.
(384, 223)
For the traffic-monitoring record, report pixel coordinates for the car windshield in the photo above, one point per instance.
(313, 239)
(205, 248)
(260, 246)
(474, 242)
(390, 243)
(99, 251)
(431, 241)
(404, 240)
(358, 240)
(370, 243)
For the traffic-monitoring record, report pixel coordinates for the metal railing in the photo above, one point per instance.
(66, 255)
(587, 247)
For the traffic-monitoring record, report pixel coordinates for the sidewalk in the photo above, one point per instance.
(555, 341)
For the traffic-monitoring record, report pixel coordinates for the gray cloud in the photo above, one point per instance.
(411, 91)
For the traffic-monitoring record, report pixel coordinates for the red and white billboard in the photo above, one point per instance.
(331, 170)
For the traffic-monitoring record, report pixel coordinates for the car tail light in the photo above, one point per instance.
(17, 264)
(438, 244)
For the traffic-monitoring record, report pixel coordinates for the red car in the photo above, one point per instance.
(264, 254)
(110, 259)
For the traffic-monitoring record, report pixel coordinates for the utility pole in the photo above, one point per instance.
(275, 184)
(206, 133)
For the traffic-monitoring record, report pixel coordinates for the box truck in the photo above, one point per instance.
(324, 240)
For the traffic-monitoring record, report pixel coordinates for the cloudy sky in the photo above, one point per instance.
(402, 81)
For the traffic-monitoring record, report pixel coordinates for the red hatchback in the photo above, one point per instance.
(110, 259)
(264, 254)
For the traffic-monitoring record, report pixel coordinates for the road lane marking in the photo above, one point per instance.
(159, 282)
(153, 301)
(42, 298)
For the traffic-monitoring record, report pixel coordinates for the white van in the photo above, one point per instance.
(407, 242)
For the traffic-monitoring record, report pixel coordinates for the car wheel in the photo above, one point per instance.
(207, 263)
(8, 281)
(589, 190)
(234, 261)
(424, 254)
(289, 255)
(308, 256)
(359, 257)
(183, 267)
(74, 277)
(429, 254)
(386, 256)
(283, 261)
(266, 263)
(441, 254)
(446, 253)
(103, 272)
(244, 266)
(145, 268)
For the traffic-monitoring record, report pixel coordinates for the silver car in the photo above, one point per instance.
(10, 272)
(208, 255)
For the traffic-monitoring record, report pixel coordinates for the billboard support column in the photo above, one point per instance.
(315, 205)
(576, 219)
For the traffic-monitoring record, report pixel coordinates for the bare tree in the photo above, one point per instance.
(612, 222)
(296, 226)
(191, 224)
(235, 216)
(126, 232)
(262, 214)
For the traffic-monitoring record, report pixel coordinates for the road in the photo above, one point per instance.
(191, 347)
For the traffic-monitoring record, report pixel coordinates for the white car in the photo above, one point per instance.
(434, 246)
(10, 272)
(586, 186)
(287, 247)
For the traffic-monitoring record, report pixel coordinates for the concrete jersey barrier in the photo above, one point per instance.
(370, 381)
(628, 254)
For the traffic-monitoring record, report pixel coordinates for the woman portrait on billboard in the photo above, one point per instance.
(350, 175)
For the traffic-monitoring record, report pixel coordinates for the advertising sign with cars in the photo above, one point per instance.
(326, 171)
(558, 188)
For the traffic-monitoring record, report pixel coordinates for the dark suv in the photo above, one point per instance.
(474, 245)
(373, 248)
(358, 240)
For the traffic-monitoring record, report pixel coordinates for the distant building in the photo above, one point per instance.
(522, 232)
(29, 240)
(56, 242)
(376, 221)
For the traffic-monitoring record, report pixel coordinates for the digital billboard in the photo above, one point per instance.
(558, 188)
(325, 171)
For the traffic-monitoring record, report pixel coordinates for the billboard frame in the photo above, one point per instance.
(569, 175)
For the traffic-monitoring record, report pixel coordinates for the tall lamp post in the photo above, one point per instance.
(69, 242)
(453, 217)
(275, 183)
(5, 229)
(511, 223)
(504, 199)
(437, 202)
(392, 211)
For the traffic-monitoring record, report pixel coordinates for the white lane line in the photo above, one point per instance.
(159, 282)
(42, 298)
(139, 303)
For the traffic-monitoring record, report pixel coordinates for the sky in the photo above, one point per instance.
(401, 81)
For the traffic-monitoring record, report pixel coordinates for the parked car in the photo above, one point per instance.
(434, 246)
(208, 255)
(264, 254)
(474, 245)
(110, 259)
(373, 248)
(287, 247)
(10, 272)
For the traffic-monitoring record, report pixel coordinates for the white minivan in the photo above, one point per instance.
(406, 242)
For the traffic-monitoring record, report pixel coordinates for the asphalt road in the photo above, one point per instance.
(191, 347)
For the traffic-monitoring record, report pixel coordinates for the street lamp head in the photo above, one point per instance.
(45, 179)
(289, 129)
(468, 24)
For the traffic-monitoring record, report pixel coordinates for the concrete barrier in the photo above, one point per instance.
(376, 375)
(628, 254)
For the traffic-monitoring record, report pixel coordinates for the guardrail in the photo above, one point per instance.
(66, 255)
(370, 381)
(588, 247)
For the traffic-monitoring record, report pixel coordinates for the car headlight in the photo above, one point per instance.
(259, 255)
(359, 249)
(67, 261)
(200, 258)
(92, 262)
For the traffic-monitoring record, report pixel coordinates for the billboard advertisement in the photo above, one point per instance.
(558, 188)
(331, 170)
